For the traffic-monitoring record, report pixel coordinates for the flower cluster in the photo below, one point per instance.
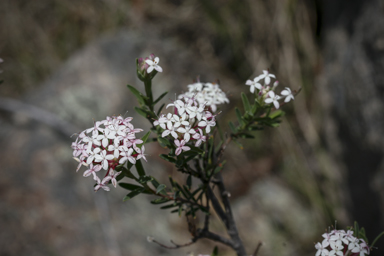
(190, 121)
(106, 145)
(206, 93)
(260, 85)
(339, 242)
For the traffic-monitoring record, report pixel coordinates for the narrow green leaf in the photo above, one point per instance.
(145, 179)
(215, 252)
(168, 158)
(127, 173)
(163, 142)
(220, 167)
(133, 193)
(160, 200)
(246, 136)
(180, 210)
(239, 117)
(172, 205)
(129, 186)
(143, 112)
(357, 228)
(189, 181)
(160, 97)
(140, 97)
(377, 238)
(238, 144)
(160, 108)
(277, 114)
(140, 168)
(233, 128)
(246, 104)
(160, 188)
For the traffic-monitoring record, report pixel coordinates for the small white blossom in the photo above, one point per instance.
(273, 98)
(181, 147)
(287, 94)
(153, 64)
(254, 84)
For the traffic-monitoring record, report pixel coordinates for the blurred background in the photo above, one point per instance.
(67, 63)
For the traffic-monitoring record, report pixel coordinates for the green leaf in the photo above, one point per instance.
(145, 137)
(143, 112)
(163, 142)
(160, 200)
(168, 158)
(133, 193)
(160, 189)
(357, 228)
(129, 186)
(238, 144)
(126, 172)
(215, 252)
(189, 181)
(377, 238)
(239, 117)
(172, 205)
(277, 114)
(140, 168)
(233, 128)
(255, 128)
(140, 97)
(246, 136)
(220, 167)
(145, 179)
(180, 209)
(246, 104)
(161, 108)
(160, 97)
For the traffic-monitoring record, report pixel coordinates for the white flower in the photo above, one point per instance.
(153, 64)
(113, 177)
(273, 99)
(199, 137)
(181, 147)
(92, 170)
(187, 130)
(254, 84)
(321, 248)
(103, 158)
(101, 184)
(337, 248)
(266, 76)
(354, 245)
(287, 94)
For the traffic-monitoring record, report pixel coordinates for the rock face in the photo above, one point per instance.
(353, 83)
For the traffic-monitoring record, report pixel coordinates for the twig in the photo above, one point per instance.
(257, 249)
(38, 114)
(177, 246)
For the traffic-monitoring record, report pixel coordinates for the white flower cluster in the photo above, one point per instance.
(207, 93)
(190, 121)
(341, 243)
(106, 145)
(267, 93)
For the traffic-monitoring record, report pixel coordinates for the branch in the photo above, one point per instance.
(257, 249)
(38, 114)
(177, 246)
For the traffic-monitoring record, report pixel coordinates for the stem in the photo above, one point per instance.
(231, 225)
(148, 92)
